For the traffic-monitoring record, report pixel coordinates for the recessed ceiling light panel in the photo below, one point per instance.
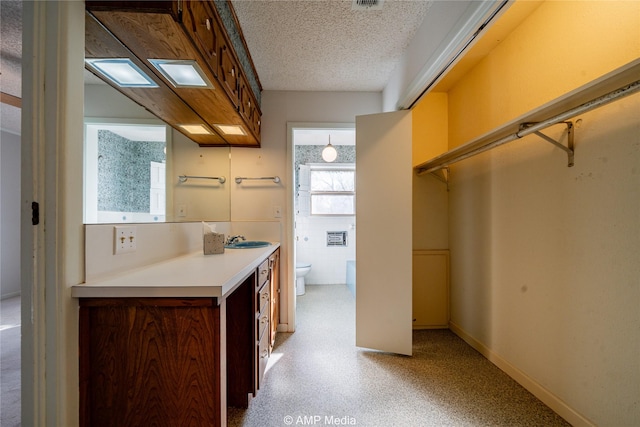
(231, 129)
(121, 71)
(196, 129)
(182, 73)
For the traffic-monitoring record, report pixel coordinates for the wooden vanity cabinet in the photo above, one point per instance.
(151, 361)
(175, 361)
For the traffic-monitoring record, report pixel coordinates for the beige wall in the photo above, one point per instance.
(544, 258)
(544, 263)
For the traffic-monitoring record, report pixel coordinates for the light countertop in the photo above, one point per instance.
(187, 276)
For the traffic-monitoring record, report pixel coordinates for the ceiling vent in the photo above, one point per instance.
(367, 4)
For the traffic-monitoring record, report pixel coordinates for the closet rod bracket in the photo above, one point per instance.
(524, 127)
(442, 175)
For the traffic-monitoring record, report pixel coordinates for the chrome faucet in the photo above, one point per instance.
(234, 239)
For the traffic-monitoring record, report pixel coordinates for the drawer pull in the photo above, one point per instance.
(208, 24)
(265, 296)
(264, 320)
(264, 354)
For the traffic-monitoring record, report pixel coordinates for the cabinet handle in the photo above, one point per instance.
(265, 296)
(264, 320)
(233, 72)
(264, 271)
(208, 24)
(265, 353)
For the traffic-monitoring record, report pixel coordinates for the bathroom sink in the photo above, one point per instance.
(248, 244)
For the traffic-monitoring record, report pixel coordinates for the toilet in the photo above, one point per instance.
(302, 268)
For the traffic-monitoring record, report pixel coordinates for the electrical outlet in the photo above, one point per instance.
(125, 240)
(277, 212)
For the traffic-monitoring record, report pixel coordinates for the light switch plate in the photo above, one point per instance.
(125, 239)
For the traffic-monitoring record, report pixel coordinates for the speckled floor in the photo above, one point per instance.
(317, 376)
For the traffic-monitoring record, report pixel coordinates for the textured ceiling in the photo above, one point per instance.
(324, 45)
(307, 45)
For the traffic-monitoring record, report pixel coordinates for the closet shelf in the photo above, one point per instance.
(608, 88)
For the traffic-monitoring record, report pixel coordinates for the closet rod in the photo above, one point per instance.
(614, 95)
(221, 179)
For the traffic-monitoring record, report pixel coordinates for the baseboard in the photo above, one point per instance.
(547, 397)
(10, 295)
(283, 327)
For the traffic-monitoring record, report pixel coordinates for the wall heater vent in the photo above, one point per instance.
(336, 238)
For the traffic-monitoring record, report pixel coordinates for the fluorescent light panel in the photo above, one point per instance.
(196, 129)
(182, 73)
(121, 71)
(231, 129)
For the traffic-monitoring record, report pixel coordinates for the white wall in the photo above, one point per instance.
(9, 214)
(329, 263)
(545, 271)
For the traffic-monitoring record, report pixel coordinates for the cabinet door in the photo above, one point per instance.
(430, 289)
(256, 121)
(150, 361)
(205, 31)
(229, 72)
(246, 100)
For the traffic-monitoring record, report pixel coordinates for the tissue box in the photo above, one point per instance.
(213, 243)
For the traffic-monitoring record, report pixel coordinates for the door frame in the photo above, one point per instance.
(52, 251)
(291, 217)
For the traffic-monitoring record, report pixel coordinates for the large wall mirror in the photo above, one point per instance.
(133, 163)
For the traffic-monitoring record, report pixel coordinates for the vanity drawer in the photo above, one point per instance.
(263, 357)
(262, 324)
(263, 273)
(263, 299)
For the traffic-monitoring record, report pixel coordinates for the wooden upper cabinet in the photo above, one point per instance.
(246, 102)
(171, 30)
(205, 30)
(256, 121)
(248, 107)
(229, 72)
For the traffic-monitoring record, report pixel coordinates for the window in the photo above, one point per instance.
(333, 190)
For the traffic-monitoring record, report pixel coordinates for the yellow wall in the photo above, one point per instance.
(559, 47)
(542, 255)
(430, 127)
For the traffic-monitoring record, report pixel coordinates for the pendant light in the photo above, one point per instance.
(329, 154)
